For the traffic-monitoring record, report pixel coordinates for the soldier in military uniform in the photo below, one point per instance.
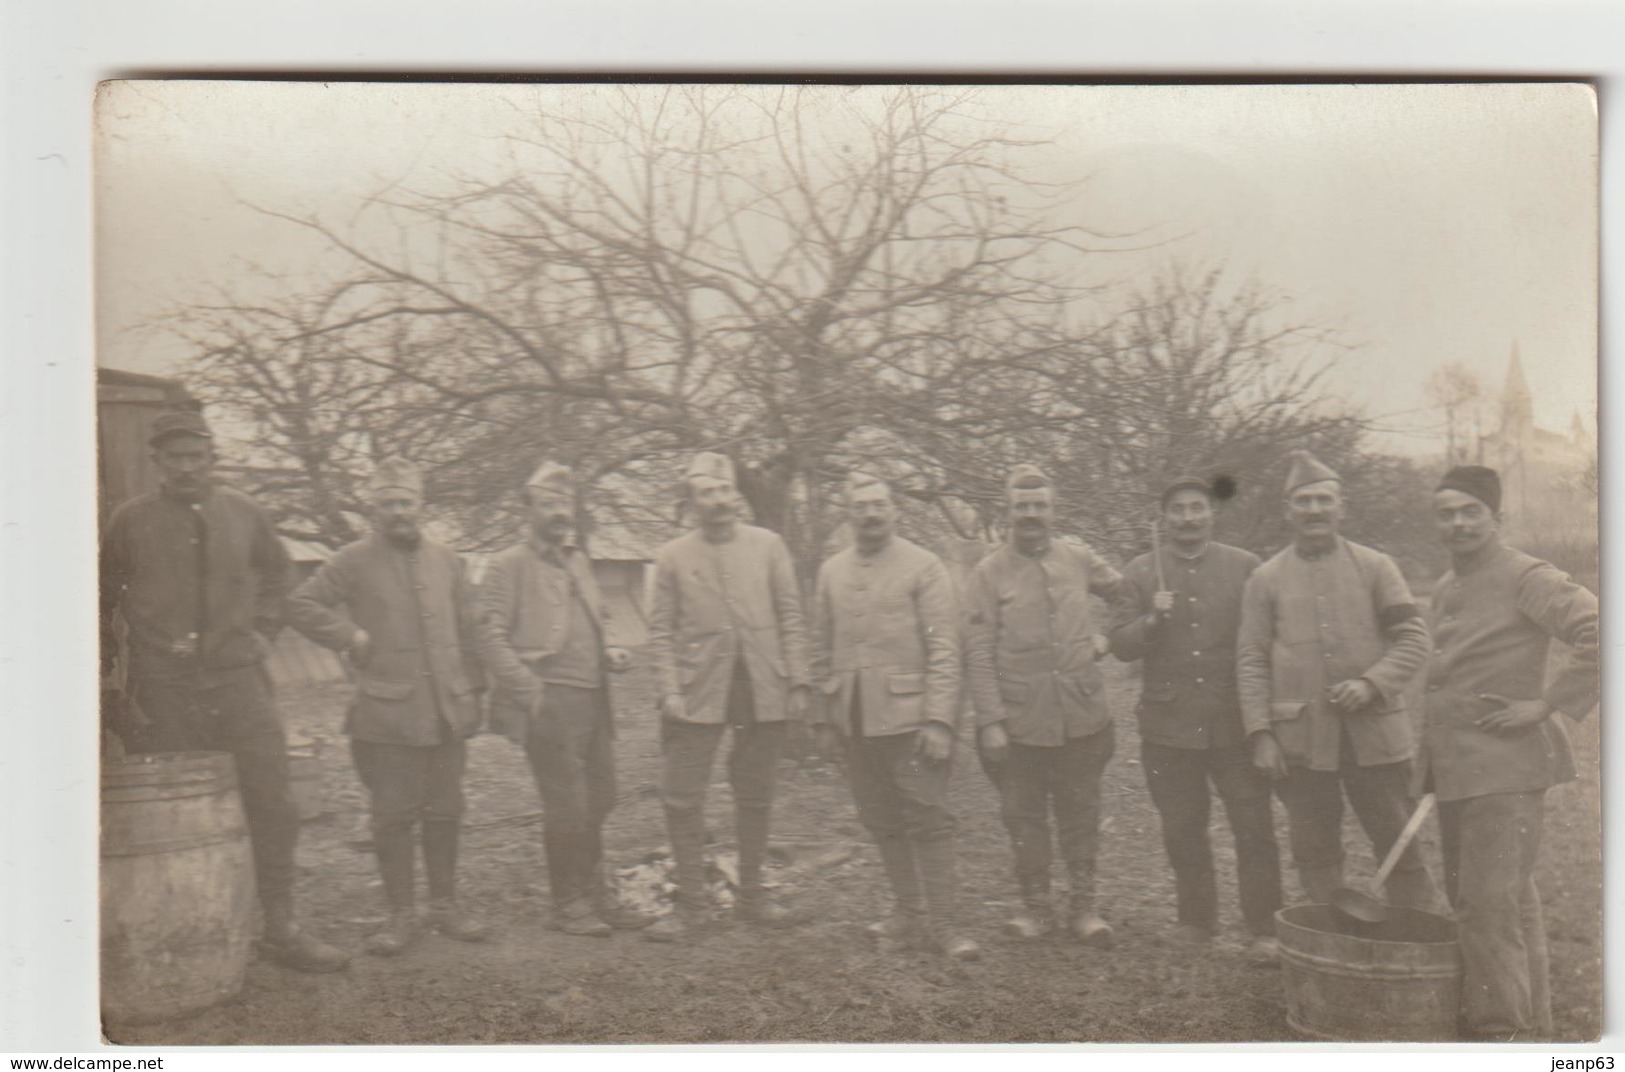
(887, 660)
(545, 646)
(1494, 744)
(1329, 638)
(728, 643)
(200, 578)
(399, 606)
(1046, 732)
(1179, 613)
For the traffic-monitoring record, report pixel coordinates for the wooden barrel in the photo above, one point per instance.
(1397, 981)
(305, 777)
(177, 885)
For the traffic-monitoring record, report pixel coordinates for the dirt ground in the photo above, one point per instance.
(822, 981)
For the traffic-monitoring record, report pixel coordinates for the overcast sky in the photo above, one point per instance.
(1430, 224)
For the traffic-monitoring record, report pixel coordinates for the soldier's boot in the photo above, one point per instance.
(687, 831)
(396, 862)
(1033, 919)
(580, 918)
(1413, 888)
(1082, 921)
(907, 922)
(1320, 881)
(935, 853)
(753, 904)
(440, 868)
(286, 944)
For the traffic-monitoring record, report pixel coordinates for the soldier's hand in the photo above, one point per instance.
(1103, 646)
(800, 700)
(1267, 758)
(620, 660)
(934, 741)
(360, 648)
(1512, 715)
(994, 742)
(1355, 694)
(674, 708)
(827, 742)
(1163, 604)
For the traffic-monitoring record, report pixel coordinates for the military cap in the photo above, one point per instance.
(551, 476)
(1025, 476)
(711, 465)
(1186, 483)
(396, 472)
(857, 481)
(1307, 469)
(178, 422)
(1479, 481)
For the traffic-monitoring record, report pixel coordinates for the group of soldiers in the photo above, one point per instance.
(1283, 679)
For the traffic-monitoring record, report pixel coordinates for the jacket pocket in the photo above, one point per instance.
(905, 684)
(387, 690)
(1014, 692)
(1287, 711)
(1160, 693)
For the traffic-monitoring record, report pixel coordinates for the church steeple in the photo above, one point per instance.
(1517, 404)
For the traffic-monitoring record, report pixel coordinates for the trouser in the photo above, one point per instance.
(1491, 844)
(753, 768)
(1178, 779)
(902, 800)
(1381, 798)
(408, 785)
(569, 745)
(233, 713)
(1035, 780)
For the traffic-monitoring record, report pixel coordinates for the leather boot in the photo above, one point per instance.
(907, 922)
(1081, 921)
(682, 922)
(753, 904)
(396, 854)
(579, 918)
(440, 866)
(286, 944)
(935, 855)
(397, 936)
(687, 832)
(1033, 919)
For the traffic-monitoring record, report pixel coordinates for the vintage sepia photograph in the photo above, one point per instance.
(665, 563)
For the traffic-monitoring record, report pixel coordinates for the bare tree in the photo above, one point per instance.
(682, 268)
(1458, 392)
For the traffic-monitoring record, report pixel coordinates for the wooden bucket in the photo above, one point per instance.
(177, 885)
(305, 777)
(1397, 981)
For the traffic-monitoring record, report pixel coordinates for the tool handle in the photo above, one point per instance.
(1417, 817)
(1156, 557)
